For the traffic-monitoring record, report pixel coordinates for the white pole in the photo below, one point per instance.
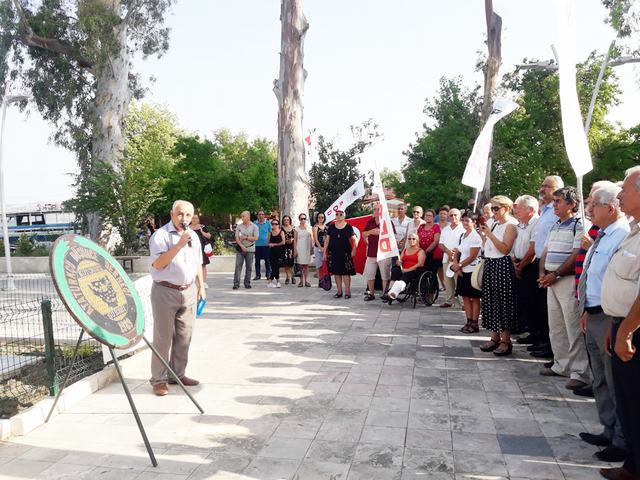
(5, 231)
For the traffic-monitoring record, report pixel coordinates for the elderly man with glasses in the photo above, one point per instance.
(556, 274)
(614, 227)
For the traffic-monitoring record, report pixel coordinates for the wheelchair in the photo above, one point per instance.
(424, 289)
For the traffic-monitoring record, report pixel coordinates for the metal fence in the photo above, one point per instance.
(37, 339)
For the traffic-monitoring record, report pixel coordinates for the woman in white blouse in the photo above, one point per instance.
(468, 250)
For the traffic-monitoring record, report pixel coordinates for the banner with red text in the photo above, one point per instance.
(353, 193)
(387, 245)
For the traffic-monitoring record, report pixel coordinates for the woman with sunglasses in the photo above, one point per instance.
(276, 253)
(302, 249)
(416, 221)
(339, 250)
(319, 234)
(499, 313)
(289, 240)
(411, 262)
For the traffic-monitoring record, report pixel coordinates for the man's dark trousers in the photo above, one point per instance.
(262, 253)
(625, 379)
(539, 317)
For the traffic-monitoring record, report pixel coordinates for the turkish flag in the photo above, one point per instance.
(358, 224)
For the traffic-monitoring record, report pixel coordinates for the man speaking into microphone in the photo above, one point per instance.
(176, 271)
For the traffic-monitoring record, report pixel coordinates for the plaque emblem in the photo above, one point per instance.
(96, 291)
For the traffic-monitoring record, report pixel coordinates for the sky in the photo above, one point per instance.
(364, 58)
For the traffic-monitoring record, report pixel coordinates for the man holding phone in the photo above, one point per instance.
(176, 259)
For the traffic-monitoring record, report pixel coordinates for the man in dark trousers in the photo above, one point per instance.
(621, 301)
(177, 285)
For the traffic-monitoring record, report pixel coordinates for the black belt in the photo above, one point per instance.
(174, 286)
(593, 310)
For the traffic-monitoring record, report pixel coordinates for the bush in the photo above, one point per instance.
(25, 247)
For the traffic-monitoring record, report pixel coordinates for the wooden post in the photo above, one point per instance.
(293, 186)
(494, 61)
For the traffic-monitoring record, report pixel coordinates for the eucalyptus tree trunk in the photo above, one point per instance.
(110, 108)
(494, 43)
(293, 186)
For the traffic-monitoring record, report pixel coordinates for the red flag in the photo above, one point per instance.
(308, 140)
(361, 250)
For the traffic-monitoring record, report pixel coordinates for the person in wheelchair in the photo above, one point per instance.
(408, 267)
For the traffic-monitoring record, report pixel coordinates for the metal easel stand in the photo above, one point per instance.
(127, 392)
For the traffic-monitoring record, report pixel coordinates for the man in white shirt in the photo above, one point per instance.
(401, 222)
(449, 239)
(526, 211)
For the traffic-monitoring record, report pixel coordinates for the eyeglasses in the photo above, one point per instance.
(302, 218)
(495, 209)
(339, 214)
(275, 223)
(413, 239)
(417, 211)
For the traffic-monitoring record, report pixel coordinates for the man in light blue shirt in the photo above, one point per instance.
(539, 324)
(614, 228)
(262, 244)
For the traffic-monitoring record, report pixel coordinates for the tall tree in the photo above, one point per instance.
(293, 185)
(74, 56)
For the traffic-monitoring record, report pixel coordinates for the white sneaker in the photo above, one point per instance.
(206, 286)
(278, 284)
(269, 285)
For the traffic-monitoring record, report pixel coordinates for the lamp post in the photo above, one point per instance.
(6, 101)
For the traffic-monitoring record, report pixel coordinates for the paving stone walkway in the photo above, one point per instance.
(299, 385)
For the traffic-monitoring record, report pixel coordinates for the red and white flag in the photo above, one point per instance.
(353, 193)
(387, 245)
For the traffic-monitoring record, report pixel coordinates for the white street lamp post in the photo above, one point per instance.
(6, 101)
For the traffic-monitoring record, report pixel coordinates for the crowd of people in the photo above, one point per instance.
(531, 266)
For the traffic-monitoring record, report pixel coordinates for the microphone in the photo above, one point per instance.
(185, 227)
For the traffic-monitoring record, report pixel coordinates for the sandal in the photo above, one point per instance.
(293, 280)
(502, 350)
(300, 285)
(286, 282)
(347, 296)
(368, 297)
(473, 327)
(307, 284)
(465, 327)
(338, 295)
(490, 346)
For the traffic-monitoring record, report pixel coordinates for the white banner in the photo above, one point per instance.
(353, 193)
(575, 139)
(476, 171)
(387, 245)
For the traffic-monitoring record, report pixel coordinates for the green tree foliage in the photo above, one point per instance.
(436, 162)
(336, 169)
(125, 195)
(225, 175)
(57, 49)
(623, 18)
(528, 144)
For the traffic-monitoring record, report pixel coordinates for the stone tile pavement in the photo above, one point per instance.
(299, 385)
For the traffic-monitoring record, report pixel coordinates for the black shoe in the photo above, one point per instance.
(584, 391)
(527, 340)
(247, 286)
(542, 354)
(538, 346)
(597, 440)
(611, 454)
(549, 364)
(235, 287)
(256, 278)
